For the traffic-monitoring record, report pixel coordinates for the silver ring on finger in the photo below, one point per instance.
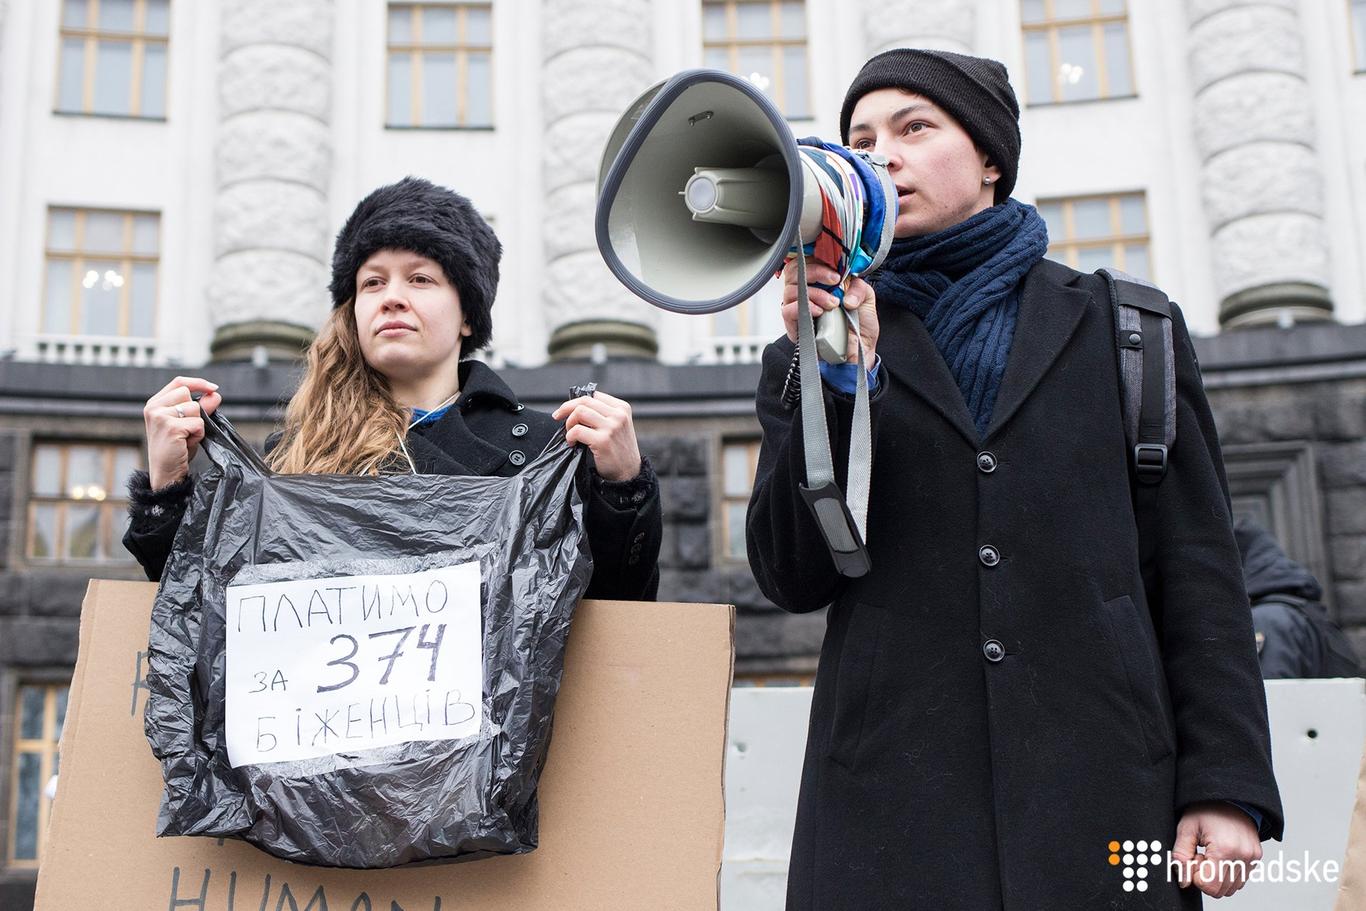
(180, 411)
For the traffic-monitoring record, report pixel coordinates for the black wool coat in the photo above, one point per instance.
(985, 723)
(486, 432)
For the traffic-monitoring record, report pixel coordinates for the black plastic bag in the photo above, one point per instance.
(253, 539)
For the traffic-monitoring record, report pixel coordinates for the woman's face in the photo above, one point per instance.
(408, 316)
(934, 163)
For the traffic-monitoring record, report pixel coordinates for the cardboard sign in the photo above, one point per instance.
(632, 809)
(345, 663)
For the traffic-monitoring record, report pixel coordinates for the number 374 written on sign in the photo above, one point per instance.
(340, 664)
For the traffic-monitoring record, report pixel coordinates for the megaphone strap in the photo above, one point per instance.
(843, 524)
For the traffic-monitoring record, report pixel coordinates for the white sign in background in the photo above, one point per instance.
(335, 665)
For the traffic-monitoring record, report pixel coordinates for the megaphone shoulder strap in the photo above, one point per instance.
(842, 519)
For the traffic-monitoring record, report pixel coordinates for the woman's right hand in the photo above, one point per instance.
(857, 293)
(175, 426)
(817, 273)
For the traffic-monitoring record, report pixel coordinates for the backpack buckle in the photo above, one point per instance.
(1150, 462)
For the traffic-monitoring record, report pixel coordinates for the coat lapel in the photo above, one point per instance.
(910, 355)
(1051, 308)
(1050, 311)
(447, 445)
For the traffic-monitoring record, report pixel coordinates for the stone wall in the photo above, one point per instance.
(1275, 390)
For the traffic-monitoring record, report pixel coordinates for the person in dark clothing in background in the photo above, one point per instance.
(390, 387)
(1295, 636)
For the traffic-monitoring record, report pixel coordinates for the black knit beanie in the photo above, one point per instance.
(418, 216)
(974, 90)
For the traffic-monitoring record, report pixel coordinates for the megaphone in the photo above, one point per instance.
(703, 191)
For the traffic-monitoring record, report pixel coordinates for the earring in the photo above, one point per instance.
(986, 180)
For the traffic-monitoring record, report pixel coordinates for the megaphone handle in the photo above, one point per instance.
(832, 336)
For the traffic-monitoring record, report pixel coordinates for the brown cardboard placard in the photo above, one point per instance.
(632, 810)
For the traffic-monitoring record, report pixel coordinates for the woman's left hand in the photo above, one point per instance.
(603, 424)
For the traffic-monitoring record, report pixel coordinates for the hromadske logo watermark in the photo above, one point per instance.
(1136, 865)
(1143, 862)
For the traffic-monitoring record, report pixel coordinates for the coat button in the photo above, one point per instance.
(517, 457)
(520, 430)
(520, 408)
(987, 462)
(994, 650)
(989, 555)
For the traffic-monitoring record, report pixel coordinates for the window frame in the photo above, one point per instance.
(1067, 250)
(1097, 20)
(91, 34)
(115, 499)
(415, 48)
(775, 43)
(51, 679)
(78, 256)
(751, 444)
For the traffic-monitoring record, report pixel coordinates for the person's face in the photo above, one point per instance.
(937, 168)
(408, 315)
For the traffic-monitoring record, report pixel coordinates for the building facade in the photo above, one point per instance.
(172, 174)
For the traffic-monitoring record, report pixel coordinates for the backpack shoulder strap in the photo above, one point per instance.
(1147, 371)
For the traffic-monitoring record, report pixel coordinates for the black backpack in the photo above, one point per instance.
(1147, 372)
(1147, 386)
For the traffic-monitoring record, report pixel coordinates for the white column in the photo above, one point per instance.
(1261, 181)
(940, 25)
(273, 160)
(596, 59)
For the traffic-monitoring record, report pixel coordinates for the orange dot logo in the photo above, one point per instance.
(1114, 846)
(1114, 860)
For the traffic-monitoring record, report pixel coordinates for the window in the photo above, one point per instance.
(1088, 232)
(39, 712)
(440, 65)
(1076, 50)
(739, 334)
(78, 508)
(765, 42)
(1358, 13)
(101, 273)
(738, 460)
(113, 57)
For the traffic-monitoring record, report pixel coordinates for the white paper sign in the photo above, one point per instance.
(346, 663)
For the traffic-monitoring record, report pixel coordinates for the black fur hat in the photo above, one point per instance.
(440, 224)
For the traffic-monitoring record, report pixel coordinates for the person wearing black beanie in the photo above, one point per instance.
(1049, 673)
(390, 386)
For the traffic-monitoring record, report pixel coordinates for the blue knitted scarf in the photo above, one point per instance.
(964, 284)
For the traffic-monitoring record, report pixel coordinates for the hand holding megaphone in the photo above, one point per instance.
(856, 297)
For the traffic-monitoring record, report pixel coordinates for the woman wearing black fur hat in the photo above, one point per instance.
(389, 388)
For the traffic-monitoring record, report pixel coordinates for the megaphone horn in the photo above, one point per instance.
(704, 191)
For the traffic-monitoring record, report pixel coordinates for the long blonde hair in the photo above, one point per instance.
(343, 420)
